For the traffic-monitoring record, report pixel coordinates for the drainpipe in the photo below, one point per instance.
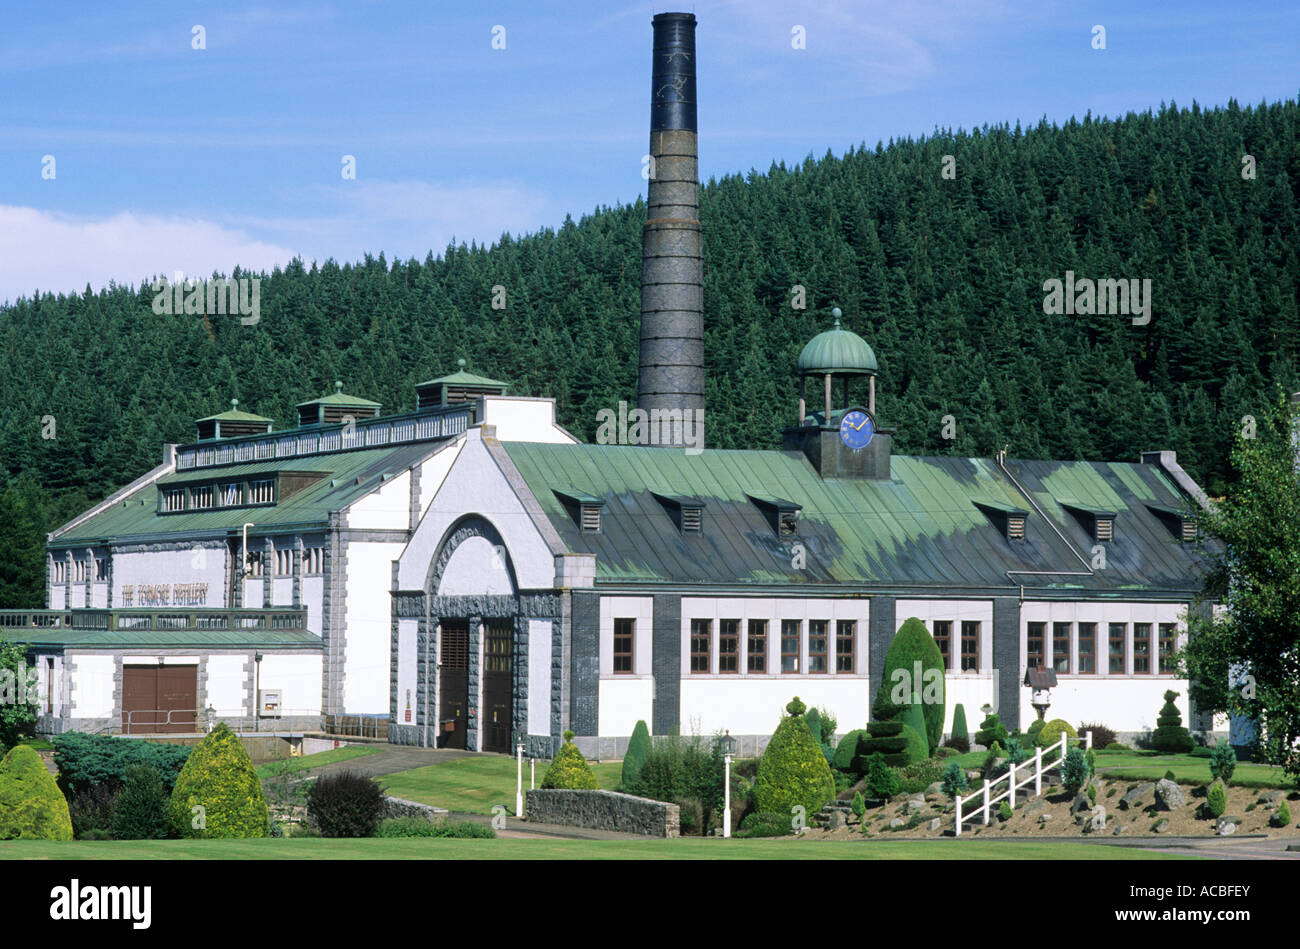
(1086, 572)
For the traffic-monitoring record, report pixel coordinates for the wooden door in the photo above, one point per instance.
(498, 684)
(159, 699)
(453, 683)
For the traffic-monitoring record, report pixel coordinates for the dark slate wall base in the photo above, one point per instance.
(1006, 659)
(882, 628)
(584, 696)
(666, 665)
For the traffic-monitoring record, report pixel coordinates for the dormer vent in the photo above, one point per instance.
(583, 508)
(782, 515)
(1009, 520)
(232, 424)
(687, 513)
(336, 409)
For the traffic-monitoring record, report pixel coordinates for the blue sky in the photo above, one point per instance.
(168, 158)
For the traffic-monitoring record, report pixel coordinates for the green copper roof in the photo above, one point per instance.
(339, 397)
(463, 378)
(837, 351)
(921, 529)
(234, 415)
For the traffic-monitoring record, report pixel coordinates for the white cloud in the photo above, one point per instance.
(45, 251)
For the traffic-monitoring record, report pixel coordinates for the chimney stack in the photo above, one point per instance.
(671, 376)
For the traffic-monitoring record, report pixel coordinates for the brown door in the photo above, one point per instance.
(498, 684)
(453, 683)
(159, 699)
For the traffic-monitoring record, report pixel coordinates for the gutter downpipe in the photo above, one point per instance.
(1087, 572)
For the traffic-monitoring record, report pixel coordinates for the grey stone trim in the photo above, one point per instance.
(566, 669)
(666, 664)
(542, 606)
(250, 686)
(370, 535)
(519, 670)
(333, 615)
(1006, 658)
(471, 525)
(426, 685)
(881, 629)
(559, 696)
(297, 572)
(408, 604)
(117, 686)
(268, 565)
(475, 682)
(416, 471)
(201, 692)
(584, 693)
(162, 546)
(393, 658)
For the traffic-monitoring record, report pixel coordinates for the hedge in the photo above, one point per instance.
(31, 805)
(793, 771)
(637, 748)
(419, 827)
(217, 793)
(86, 761)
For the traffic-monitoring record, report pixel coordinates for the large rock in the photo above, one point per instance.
(935, 787)
(1135, 795)
(914, 805)
(1272, 797)
(1226, 826)
(934, 825)
(1169, 796)
(1036, 806)
(1161, 826)
(837, 820)
(1080, 804)
(896, 823)
(1119, 829)
(1096, 822)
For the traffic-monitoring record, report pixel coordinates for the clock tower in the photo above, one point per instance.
(843, 439)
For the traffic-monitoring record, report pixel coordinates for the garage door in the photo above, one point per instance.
(159, 699)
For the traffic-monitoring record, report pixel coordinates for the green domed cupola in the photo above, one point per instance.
(837, 351)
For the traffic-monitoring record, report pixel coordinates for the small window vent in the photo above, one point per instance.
(1016, 527)
(781, 514)
(687, 513)
(590, 519)
(1099, 523)
(1180, 525)
(1010, 521)
(692, 518)
(1104, 529)
(583, 508)
(1189, 531)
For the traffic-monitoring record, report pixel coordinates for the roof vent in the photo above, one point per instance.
(1009, 520)
(336, 409)
(460, 386)
(1097, 522)
(782, 515)
(232, 424)
(687, 513)
(583, 508)
(1179, 523)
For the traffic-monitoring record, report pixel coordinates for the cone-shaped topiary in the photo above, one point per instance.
(1282, 816)
(1216, 799)
(914, 717)
(1170, 735)
(1223, 761)
(814, 721)
(217, 793)
(881, 780)
(793, 771)
(913, 674)
(960, 735)
(569, 769)
(31, 805)
(637, 748)
(846, 752)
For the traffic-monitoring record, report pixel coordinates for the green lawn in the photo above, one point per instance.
(551, 849)
(307, 762)
(1148, 766)
(473, 785)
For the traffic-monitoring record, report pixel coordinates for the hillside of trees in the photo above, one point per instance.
(942, 276)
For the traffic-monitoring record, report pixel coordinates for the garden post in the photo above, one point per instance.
(726, 794)
(957, 832)
(986, 802)
(519, 780)
(1011, 783)
(1038, 771)
(1087, 740)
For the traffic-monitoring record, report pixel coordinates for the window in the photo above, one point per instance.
(201, 497)
(1118, 634)
(261, 492)
(232, 495)
(757, 646)
(791, 630)
(313, 560)
(1061, 648)
(1087, 648)
(624, 634)
(817, 636)
(1142, 649)
(78, 571)
(1168, 632)
(174, 499)
(1034, 645)
(943, 636)
(591, 519)
(846, 634)
(970, 645)
(58, 571)
(700, 630)
(254, 564)
(729, 648)
(284, 562)
(101, 569)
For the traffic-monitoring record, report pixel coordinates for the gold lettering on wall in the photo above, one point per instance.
(163, 594)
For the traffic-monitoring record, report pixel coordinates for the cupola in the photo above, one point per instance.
(460, 386)
(336, 408)
(232, 424)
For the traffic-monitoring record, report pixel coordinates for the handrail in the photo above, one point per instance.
(1012, 784)
(169, 619)
(237, 720)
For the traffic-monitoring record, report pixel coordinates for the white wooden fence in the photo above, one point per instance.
(1013, 784)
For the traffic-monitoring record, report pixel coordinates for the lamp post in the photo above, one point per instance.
(519, 780)
(728, 749)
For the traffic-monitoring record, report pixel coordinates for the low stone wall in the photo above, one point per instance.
(396, 807)
(603, 810)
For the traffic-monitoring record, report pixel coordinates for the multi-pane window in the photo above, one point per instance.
(757, 645)
(970, 645)
(943, 636)
(624, 635)
(101, 569)
(846, 634)
(261, 492)
(201, 497)
(254, 565)
(1087, 648)
(790, 636)
(1061, 648)
(174, 499)
(1037, 632)
(818, 648)
(58, 571)
(231, 494)
(1141, 648)
(284, 562)
(1167, 635)
(313, 560)
(1117, 634)
(78, 571)
(700, 635)
(729, 649)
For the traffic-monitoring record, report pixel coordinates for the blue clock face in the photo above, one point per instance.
(856, 429)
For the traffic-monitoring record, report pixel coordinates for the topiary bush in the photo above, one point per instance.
(31, 805)
(912, 644)
(915, 748)
(761, 824)
(793, 771)
(1034, 728)
(569, 769)
(1170, 735)
(960, 738)
(991, 731)
(1223, 761)
(914, 717)
(914, 778)
(881, 781)
(1074, 771)
(859, 805)
(140, 809)
(1216, 799)
(345, 804)
(846, 752)
(1052, 731)
(87, 761)
(1282, 816)
(1004, 811)
(637, 749)
(217, 793)
(954, 779)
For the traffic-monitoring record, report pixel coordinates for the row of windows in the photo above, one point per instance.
(206, 496)
(81, 570)
(753, 658)
(313, 562)
(968, 659)
(1149, 640)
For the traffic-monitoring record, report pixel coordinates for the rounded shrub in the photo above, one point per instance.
(217, 793)
(1282, 816)
(31, 805)
(637, 749)
(793, 771)
(345, 804)
(912, 644)
(140, 809)
(1034, 728)
(1216, 799)
(846, 752)
(1169, 734)
(569, 769)
(1004, 811)
(1051, 732)
(760, 824)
